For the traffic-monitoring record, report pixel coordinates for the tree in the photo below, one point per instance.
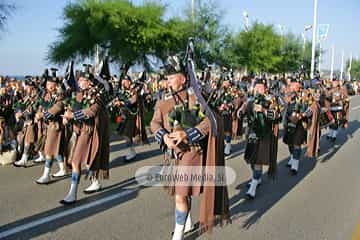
(291, 54)
(211, 36)
(258, 49)
(307, 57)
(6, 9)
(128, 33)
(355, 70)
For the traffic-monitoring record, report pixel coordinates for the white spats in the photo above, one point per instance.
(289, 163)
(62, 171)
(40, 159)
(45, 178)
(71, 196)
(22, 162)
(252, 189)
(94, 187)
(259, 182)
(131, 154)
(178, 232)
(295, 166)
(227, 149)
(334, 133)
(188, 224)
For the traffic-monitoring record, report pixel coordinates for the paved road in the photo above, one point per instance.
(321, 202)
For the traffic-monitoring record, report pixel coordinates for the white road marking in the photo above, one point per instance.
(354, 108)
(35, 223)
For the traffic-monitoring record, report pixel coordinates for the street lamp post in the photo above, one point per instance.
(193, 10)
(306, 28)
(314, 39)
(349, 69)
(320, 55)
(304, 40)
(332, 62)
(246, 17)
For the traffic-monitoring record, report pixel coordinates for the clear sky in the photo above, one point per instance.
(34, 25)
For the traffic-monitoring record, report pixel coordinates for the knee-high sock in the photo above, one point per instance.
(291, 149)
(48, 162)
(227, 138)
(59, 158)
(257, 174)
(297, 152)
(180, 219)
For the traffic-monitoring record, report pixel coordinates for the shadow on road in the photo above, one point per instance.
(268, 194)
(122, 145)
(272, 191)
(120, 161)
(329, 149)
(53, 225)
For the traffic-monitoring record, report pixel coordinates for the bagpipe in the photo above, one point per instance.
(339, 106)
(120, 105)
(298, 110)
(182, 117)
(194, 83)
(28, 106)
(258, 120)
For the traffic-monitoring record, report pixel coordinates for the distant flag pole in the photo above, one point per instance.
(342, 65)
(314, 39)
(323, 30)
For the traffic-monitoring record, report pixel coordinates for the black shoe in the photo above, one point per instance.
(129, 160)
(42, 183)
(293, 172)
(188, 231)
(249, 197)
(63, 202)
(18, 166)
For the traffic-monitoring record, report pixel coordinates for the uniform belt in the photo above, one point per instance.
(336, 109)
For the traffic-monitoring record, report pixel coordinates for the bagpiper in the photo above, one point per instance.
(338, 102)
(223, 99)
(185, 135)
(263, 115)
(52, 107)
(91, 125)
(295, 125)
(25, 110)
(129, 106)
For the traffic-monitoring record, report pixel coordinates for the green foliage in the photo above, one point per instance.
(127, 32)
(355, 69)
(307, 57)
(130, 34)
(291, 54)
(210, 34)
(258, 49)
